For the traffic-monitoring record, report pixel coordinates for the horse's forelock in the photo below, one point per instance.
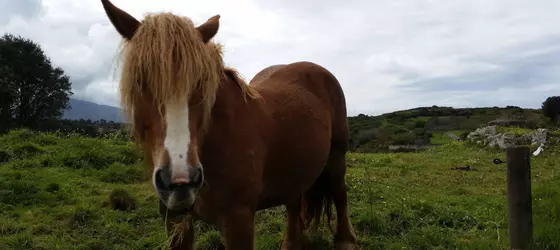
(167, 61)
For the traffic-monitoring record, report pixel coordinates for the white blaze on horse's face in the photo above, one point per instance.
(177, 141)
(175, 178)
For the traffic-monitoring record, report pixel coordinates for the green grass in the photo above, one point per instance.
(513, 130)
(440, 138)
(56, 191)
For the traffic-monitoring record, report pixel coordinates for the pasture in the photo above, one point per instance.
(58, 192)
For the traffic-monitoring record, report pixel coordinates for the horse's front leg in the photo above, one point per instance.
(238, 229)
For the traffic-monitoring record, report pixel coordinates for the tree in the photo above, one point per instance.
(31, 89)
(551, 108)
(5, 99)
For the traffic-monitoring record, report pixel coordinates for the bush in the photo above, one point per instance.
(26, 150)
(408, 138)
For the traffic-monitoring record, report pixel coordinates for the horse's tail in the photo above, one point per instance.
(316, 200)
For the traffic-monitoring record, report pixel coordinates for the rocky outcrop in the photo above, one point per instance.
(540, 136)
(491, 137)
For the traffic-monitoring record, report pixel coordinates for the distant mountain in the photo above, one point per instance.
(88, 110)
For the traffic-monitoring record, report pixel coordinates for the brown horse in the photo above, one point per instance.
(221, 149)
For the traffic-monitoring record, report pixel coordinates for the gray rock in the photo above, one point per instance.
(452, 136)
(489, 136)
(540, 136)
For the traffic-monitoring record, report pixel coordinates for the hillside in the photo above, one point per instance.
(412, 129)
(431, 126)
(91, 111)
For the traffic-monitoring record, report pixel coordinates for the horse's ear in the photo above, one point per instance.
(209, 28)
(125, 24)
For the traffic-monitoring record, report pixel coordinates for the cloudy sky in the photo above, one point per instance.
(388, 55)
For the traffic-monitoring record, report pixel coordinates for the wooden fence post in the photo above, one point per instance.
(520, 209)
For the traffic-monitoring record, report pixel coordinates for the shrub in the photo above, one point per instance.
(26, 150)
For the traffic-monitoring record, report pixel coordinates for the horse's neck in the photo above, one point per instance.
(232, 106)
(233, 120)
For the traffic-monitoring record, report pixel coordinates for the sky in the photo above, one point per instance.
(388, 55)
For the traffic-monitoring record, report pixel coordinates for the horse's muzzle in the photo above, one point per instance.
(178, 196)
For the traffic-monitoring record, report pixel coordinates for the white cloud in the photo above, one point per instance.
(388, 55)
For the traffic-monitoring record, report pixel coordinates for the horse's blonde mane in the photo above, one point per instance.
(166, 60)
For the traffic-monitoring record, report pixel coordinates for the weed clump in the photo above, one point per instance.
(211, 240)
(81, 217)
(120, 199)
(53, 187)
(19, 192)
(27, 150)
(4, 156)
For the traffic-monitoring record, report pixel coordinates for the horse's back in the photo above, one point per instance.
(307, 108)
(265, 73)
(300, 76)
(292, 83)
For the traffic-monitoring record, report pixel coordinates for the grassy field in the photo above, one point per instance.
(56, 192)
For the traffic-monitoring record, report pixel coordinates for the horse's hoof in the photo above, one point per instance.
(346, 246)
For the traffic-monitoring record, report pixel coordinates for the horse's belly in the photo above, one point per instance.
(294, 166)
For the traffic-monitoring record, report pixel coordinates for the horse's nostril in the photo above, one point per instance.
(165, 184)
(198, 177)
(163, 179)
